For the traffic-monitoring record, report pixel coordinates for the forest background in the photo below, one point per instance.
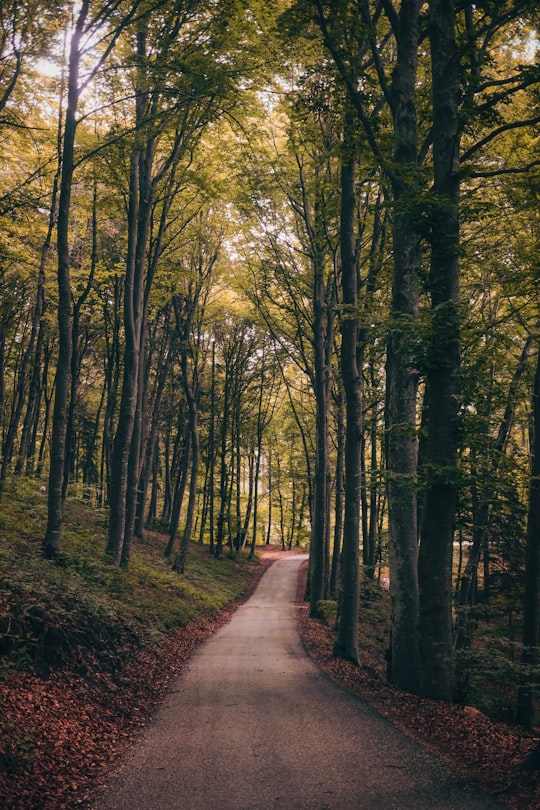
(269, 274)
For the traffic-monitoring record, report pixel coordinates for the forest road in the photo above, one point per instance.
(253, 724)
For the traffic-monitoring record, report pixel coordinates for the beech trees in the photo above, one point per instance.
(256, 332)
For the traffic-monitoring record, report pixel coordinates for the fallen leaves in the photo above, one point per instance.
(489, 753)
(60, 734)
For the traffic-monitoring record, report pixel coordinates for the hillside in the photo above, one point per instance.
(86, 649)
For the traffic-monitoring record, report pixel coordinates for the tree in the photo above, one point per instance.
(53, 538)
(85, 27)
(181, 84)
(346, 643)
(531, 624)
(443, 365)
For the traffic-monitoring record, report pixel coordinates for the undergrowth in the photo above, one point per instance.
(82, 613)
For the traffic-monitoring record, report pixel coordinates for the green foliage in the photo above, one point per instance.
(83, 614)
(20, 748)
(327, 611)
(490, 676)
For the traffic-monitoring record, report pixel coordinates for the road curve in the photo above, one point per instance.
(253, 724)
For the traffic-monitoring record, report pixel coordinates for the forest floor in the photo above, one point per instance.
(60, 735)
(487, 752)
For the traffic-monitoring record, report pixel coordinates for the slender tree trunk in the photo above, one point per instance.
(223, 474)
(118, 483)
(346, 643)
(135, 459)
(46, 412)
(212, 450)
(437, 532)
(339, 495)
(257, 470)
(531, 622)
(270, 498)
(190, 388)
(179, 491)
(370, 552)
(77, 354)
(52, 545)
(320, 499)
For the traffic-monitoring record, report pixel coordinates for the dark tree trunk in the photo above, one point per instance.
(270, 496)
(52, 545)
(223, 471)
(77, 353)
(125, 463)
(257, 469)
(118, 485)
(443, 371)
(339, 495)
(212, 450)
(370, 551)
(179, 490)
(531, 622)
(319, 528)
(346, 643)
(191, 388)
(401, 366)
(39, 327)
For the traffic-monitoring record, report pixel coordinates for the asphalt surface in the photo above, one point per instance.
(253, 724)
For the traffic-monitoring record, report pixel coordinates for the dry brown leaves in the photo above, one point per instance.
(488, 752)
(60, 735)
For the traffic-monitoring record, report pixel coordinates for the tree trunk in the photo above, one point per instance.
(190, 388)
(346, 643)
(52, 545)
(401, 366)
(339, 495)
(531, 623)
(257, 470)
(223, 473)
(128, 403)
(442, 378)
(179, 490)
(371, 551)
(318, 532)
(77, 354)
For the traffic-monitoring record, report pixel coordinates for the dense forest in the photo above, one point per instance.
(270, 275)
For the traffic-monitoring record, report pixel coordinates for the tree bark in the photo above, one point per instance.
(401, 365)
(339, 496)
(443, 371)
(320, 500)
(346, 642)
(531, 621)
(52, 545)
(190, 388)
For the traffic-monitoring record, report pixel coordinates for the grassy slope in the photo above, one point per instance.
(85, 649)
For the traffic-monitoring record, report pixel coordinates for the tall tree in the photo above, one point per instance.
(346, 643)
(443, 364)
(53, 536)
(86, 27)
(531, 624)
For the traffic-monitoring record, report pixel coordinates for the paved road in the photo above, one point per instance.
(252, 724)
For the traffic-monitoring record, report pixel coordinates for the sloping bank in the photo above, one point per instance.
(81, 677)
